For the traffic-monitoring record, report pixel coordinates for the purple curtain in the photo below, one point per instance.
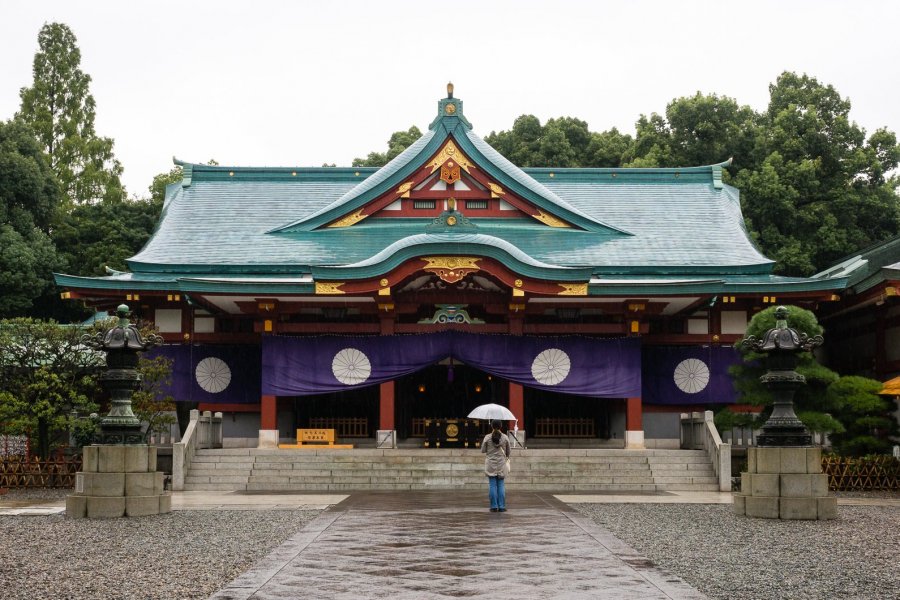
(211, 373)
(688, 374)
(605, 368)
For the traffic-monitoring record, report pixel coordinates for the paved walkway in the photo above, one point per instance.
(446, 544)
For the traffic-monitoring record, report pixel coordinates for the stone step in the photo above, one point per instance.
(551, 469)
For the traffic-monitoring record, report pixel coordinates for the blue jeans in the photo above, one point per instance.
(497, 492)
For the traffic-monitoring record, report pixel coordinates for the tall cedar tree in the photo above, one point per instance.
(60, 109)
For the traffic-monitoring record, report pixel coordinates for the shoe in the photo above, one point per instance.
(501, 509)
(494, 509)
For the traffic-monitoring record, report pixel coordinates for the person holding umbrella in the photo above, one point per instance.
(496, 465)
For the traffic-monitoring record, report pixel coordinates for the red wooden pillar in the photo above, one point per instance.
(386, 406)
(268, 418)
(268, 422)
(634, 423)
(386, 389)
(517, 402)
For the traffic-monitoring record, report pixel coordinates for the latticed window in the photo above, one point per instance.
(423, 204)
(476, 204)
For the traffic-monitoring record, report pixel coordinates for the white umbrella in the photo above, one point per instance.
(492, 411)
(495, 411)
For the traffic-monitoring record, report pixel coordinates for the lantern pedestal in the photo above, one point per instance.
(118, 481)
(785, 483)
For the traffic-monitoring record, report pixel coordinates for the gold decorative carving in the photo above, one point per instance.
(450, 109)
(496, 190)
(451, 268)
(450, 172)
(549, 220)
(404, 189)
(324, 287)
(350, 219)
(518, 293)
(573, 289)
(385, 291)
(383, 282)
(518, 283)
(451, 151)
(451, 220)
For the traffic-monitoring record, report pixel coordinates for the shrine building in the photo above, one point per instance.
(594, 303)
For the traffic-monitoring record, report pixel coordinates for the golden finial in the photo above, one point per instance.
(450, 90)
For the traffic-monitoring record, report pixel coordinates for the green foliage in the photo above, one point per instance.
(866, 415)
(94, 236)
(149, 403)
(561, 142)
(399, 141)
(45, 374)
(158, 187)
(61, 110)
(29, 197)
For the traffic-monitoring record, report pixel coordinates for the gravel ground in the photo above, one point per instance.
(182, 554)
(856, 556)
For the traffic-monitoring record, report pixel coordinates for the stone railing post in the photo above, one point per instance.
(183, 452)
(216, 426)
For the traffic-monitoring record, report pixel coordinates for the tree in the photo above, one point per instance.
(696, 130)
(399, 141)
(819, 190)
(29, 197)
(60, 109)
(869, 424)
(45, 375)
(561, 142)
(149, 403)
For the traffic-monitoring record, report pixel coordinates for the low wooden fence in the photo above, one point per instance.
(862, 474)
(345, 427)
(22, 472)
(568, 428)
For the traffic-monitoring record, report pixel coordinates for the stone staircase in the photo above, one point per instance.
(573, 469)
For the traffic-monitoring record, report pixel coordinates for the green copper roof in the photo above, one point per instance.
(235, 228)
(869, 267)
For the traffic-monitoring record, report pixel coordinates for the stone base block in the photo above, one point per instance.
(798, 508)
(104, 507)
(764, 507)
(634, 439)
(111, 459)
(763, 484)
(268, 438)
(100, 484)
(89, 459)
(386, 438)
(76, 507)
(796, 485)
(165, 503)
(143, 484)
(136, 459)
(740, 504)
(826, 508)
(141, 506)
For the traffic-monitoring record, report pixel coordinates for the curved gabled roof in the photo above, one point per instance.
(448, 125)
(477, 244)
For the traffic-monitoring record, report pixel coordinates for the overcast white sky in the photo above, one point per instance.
(302, 83)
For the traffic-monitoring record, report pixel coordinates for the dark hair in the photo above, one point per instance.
(495, 436)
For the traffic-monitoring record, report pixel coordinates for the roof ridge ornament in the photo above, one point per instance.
(450, 109)
(451, 221)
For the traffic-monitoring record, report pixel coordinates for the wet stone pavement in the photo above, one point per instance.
(446, 544)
